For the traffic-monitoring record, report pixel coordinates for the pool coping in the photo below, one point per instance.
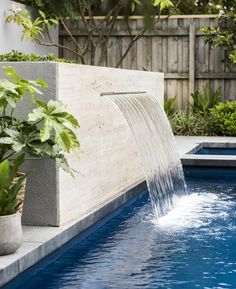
(189, 158)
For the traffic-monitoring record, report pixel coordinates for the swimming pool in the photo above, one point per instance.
(216, 151)
(194, 246)
(210, 148)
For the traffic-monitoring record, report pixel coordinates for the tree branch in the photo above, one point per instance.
(69, 33)
(133, 40)
(43, 43)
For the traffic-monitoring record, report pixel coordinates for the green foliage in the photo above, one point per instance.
(32, 29)
(169, 105)
(50, 10)
(48, 131)
(185, 124)
(195, 7)
(223, 35)
(53, 7)
(194, 124)
(56, 121)
(72, 8)
(204, 101)
(225, 115)
(232, 57)
(9, 189)
(15, 55)
(98, 32)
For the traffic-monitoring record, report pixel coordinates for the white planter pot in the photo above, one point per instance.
(10, 233)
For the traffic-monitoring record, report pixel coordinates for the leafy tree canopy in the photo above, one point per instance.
(101, 7)
(224, 34)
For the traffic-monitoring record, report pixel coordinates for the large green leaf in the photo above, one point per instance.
(7, 85)
(11, 73)
(48, 126)
(56, 123)
(45, 132)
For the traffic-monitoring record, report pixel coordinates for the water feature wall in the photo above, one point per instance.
(157, 147)
(107, 167)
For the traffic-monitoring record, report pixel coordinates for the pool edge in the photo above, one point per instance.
(34, 250)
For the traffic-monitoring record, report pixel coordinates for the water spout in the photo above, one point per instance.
(153, 135)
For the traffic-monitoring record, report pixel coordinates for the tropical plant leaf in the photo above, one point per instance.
(56, 121)
(48, 131)
(204, 101)
(5, 176)
(17, 163)
(11, 73)
(169, 105)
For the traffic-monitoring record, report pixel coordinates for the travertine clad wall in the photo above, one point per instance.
(109, 163)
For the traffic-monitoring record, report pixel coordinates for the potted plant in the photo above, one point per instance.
(46, 132)
(10, 218)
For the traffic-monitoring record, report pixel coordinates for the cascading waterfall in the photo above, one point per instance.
(155, 140)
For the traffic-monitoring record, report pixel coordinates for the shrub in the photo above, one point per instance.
(225, 115)
(184, 124)
(204, 100)
(169, 105)
(194, 124)
(15, 55)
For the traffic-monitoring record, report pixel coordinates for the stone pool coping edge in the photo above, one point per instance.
(187, 146)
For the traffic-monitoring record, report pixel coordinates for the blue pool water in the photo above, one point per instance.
(216, 151)
(194, 246)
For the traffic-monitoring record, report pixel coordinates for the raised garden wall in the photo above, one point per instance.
(109, 163)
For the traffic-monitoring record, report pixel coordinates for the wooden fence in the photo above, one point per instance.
(176, 47)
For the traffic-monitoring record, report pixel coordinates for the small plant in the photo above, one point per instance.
(194, 124)
(15, 55)
(169, 105)
(204, 101)
(185, 124)
(47, 132)
(8, 189)
(225, 115)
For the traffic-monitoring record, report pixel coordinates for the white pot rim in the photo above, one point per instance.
(11, 215)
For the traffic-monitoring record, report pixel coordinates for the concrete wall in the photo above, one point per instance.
(109, 163)
(10, 34)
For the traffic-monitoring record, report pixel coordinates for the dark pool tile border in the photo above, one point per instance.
(44, 249)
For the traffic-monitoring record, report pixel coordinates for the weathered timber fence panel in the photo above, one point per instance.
(176, 46)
